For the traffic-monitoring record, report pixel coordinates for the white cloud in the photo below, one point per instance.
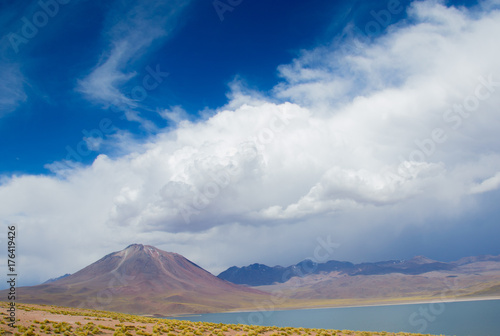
(340, 189)
(102, 84)
(175, 114)
(132, 30)
(489, 184)
(354, 153)
(12, 92)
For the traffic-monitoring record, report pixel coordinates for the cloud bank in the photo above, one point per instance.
(365, 146)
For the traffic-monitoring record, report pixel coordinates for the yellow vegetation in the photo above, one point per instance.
(118, 324)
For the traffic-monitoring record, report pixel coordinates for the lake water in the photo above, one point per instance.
(474, 318)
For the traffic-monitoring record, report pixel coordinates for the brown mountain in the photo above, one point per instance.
(142, 279)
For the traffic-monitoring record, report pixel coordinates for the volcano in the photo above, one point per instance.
(142, 279)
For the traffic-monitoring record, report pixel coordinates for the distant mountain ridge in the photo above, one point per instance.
(261, 275)
(55, 279)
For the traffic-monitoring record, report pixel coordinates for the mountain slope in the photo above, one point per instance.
(142, 279)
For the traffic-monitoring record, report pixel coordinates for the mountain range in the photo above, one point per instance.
(389, 282)
(261, 275)
(142, 279)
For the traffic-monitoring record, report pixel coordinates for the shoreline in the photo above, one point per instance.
(445, 300)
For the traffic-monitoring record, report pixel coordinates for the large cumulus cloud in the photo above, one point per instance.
(366, 145)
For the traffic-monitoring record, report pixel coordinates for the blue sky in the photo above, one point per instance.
(201, 54)
(229, 130)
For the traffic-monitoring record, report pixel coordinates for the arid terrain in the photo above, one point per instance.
(334, 289)
(154, 284)
(142, 279)
(52, 320)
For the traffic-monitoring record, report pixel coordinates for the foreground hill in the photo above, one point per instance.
(50, 320)
(142, 279)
